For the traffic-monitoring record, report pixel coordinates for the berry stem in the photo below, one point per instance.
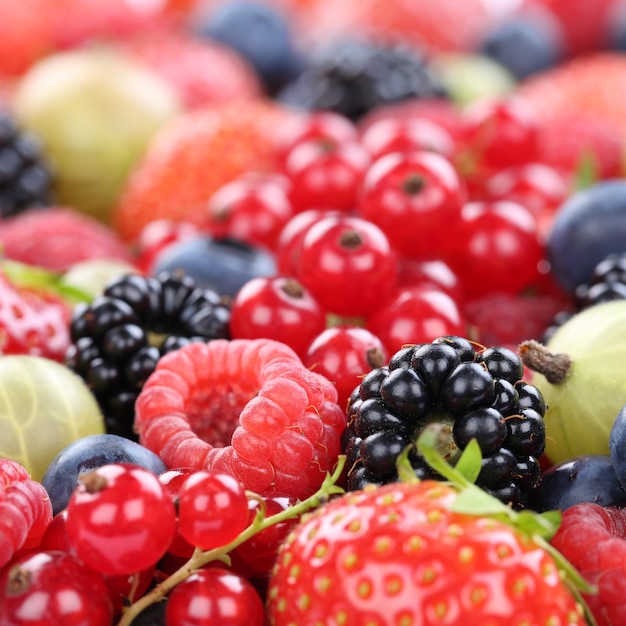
(200, 558)
(537, 357)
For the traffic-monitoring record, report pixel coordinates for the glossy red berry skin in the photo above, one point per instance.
(497, 248)
(279, 308)
(214, 596)
(417, 314)
(212, 509)
(253, 208)
(403, 135)
(290, 240)
(344, 354)
(413, 198)
(50, 587)
(325, 175)
(348, 265)
(173, 480)
(120, 519)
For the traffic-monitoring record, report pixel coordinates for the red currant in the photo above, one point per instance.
(290, 239)
(344, 354)
(497, 248)
(50, 588)
(417, 314)
(212, 509)
(391, 134)
(214, 596)
(435, 273)
(413, 198)
(348, 265)
(253, 208)
(120, 519)
(277, 308)
(172, 480)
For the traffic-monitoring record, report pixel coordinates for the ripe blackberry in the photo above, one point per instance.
(466, 393)
(118, 338)
(352, 77)
(25, 179)
(607, 282)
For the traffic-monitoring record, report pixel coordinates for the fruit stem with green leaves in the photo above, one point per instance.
(202, 557)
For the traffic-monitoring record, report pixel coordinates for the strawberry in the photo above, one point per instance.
(188, 160)
(58, 237)
(421, 553)
(592, 86)
(34, 314)
(203, 72)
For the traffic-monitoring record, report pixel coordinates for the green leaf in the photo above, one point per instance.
(406, 473)
(543, 524)
(586, 173)
(470, 462)
(475, 501)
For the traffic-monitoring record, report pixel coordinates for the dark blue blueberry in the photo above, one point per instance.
(589, 225)
(522, 45)
(88, 453)
(617, 445)
(587, 478)
(221, 265)
(260, 34)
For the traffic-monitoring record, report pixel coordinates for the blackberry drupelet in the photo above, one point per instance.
(465, 393)
(118, 338)
(352, 77)
(25, 177)
(607, 282)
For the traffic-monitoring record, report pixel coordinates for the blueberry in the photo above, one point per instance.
(617, 445)
(523, 45)
(586, 478)
(588, 226)
(88, 453)
(223, 265)
(258, 32)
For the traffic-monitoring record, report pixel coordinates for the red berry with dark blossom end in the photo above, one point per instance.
(497, 248)
(277, 307)
(212, 509)
(344, 354)
(323, 126)
(348, 265)
(51, 587)
(290, 239)
(396, 134)
(214, 596)
(413, 198)
(120, 519)
(417, 314)
(253, 208)
(325, 174)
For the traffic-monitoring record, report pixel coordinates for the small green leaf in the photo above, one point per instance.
(470, 462)
(544, 525)
(475, 501)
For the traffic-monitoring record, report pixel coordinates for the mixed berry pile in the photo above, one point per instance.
(311, 313)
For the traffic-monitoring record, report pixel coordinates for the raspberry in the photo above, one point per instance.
(245, 407)
(466, 393)
(592, 537)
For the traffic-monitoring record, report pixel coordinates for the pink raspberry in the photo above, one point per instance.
(248, 407)
(593, 539)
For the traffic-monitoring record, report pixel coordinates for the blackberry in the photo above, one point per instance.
(25, 178)
(466, 393)
(118, 337)
(607, 282)
(352, 77)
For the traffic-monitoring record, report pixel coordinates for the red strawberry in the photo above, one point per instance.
(58, 237)
(592, 86)
(408, 553)
(203, 72)
(192, 157)
(33, 321)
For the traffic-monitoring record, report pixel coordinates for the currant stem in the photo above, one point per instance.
(536, 356)
(201, 557)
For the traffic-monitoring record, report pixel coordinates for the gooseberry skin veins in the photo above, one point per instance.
(126, 524)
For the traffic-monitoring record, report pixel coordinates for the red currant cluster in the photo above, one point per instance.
(129, 538)
(420, 220)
